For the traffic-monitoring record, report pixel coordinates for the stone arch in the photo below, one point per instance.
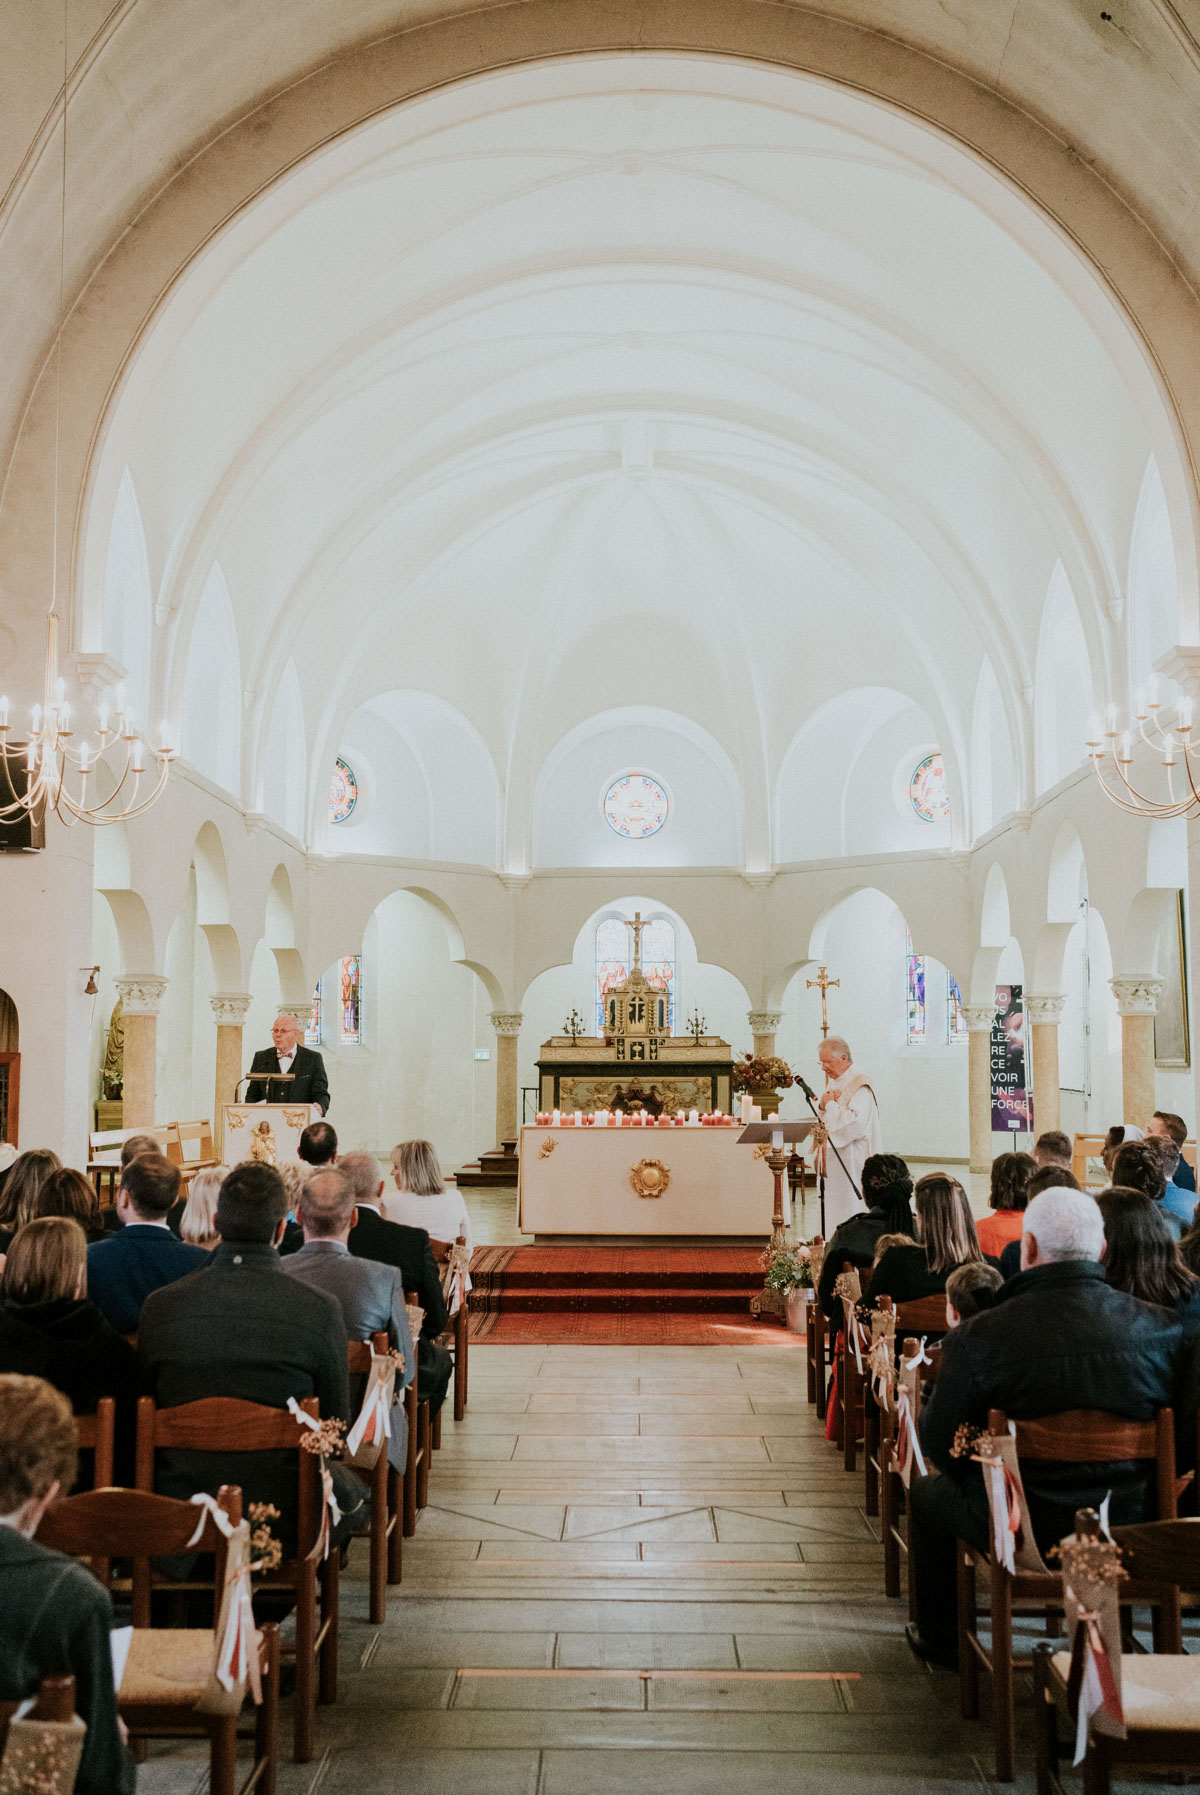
(1064, 685)
(212, 907)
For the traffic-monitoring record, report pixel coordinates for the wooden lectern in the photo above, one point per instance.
(267, 1132)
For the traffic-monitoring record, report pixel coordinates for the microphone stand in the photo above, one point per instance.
(809, 1095)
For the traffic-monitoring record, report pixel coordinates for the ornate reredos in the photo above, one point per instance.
(635, 1009)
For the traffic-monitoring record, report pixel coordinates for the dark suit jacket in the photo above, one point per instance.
(125, 1268)
(240, 1328)
(308, 1082)
(408, 1249)
(69, 1343)
(54, 1621)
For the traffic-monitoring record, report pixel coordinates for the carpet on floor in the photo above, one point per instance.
(619, 1296)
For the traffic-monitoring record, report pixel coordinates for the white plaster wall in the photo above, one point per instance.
(701, 830)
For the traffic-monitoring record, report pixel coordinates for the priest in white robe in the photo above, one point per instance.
(851, 1116)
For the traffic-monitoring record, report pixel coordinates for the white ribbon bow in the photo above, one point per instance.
(237, 1636)
(374, 1424)
(331, 1513)
(921, 1358)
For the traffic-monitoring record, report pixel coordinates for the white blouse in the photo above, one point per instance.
(443, 1217)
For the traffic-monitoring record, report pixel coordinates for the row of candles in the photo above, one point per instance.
(616, 1118)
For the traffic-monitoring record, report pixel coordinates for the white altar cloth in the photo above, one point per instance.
(582, 1185)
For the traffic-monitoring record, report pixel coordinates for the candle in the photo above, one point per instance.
(695, 1116)
(579, 1118)
(556, 1118)
(745, 1107)
(602, 1117)
(755, 1112)
(774, 1116)
(776, 1138)
(679, 1118)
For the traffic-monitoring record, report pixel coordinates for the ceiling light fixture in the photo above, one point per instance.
(1174, 745)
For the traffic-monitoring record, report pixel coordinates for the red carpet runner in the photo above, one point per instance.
(619, 1296)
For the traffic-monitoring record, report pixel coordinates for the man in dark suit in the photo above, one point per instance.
(145, 1255)
(1058, 1337)
(240, 1328)
(308, 1083)
(55, 1619)
(409, 1251)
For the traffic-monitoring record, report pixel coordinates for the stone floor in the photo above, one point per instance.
(642, 1570)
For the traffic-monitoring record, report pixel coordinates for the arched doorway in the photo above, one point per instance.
(10, 1071)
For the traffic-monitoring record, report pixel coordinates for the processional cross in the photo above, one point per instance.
(823, 983)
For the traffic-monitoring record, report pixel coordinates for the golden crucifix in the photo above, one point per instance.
(637, 925)
(823, 982)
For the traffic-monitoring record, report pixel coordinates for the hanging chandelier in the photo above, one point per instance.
(1112, 756)
(43, 770)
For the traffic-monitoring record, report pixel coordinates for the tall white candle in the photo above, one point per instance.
(745, 1107)
(776, 1138)
(556, 1118)
(694, 1117)
(579, 1118)
(755, 1112)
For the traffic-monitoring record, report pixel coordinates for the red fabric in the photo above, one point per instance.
(998, 1228)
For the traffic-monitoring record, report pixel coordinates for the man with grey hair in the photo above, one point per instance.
(303, 1067)
(408, 1249)
(851, 1117)
(1058, 1337)
(371, 1295)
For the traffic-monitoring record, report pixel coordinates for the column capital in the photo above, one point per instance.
(1044, 1006)
(1181, 664)
(979, 1017)
(764, 1022)
(507, 1022)
(299, 1012)
(140, 992)
(229, 1007)
(1137, 993)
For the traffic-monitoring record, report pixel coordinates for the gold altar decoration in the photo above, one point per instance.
(824, 984)
(650, 1177)
(547, 1147)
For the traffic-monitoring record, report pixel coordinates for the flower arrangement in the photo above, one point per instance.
(760, 1072)
(788, 1267)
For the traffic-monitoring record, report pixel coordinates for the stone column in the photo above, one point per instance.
(1137, 1000)
(229, 1008)
(763, 1024)
(299, 1012)
(979, 1019)
(507, 1027)
(1044, 1012)
(141, 994)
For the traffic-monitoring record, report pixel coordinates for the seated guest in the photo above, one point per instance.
(1165, 1123)
(1138, 1165)
(1052, 1149)
(137, 1147)
(1142, 1258)
(947, 1238)
(1176, 1201)
(1049, 1177)
(49, 1328)
(887, 1188)
(408, 1249)
(55, 1618)
(1011, 1173)
(422, 1200)
(1059, 1338)
(371, 1295)
(1120, 1135)
(124, 1268)
(970, 1289)
(65, 1192)
(317, 1146)
(199, 1223)
(26, 1176)
(240, 1328)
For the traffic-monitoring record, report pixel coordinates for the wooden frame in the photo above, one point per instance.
(442, 1250)
(11, 1132)
(385, 1519)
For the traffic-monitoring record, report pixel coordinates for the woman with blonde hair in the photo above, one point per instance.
(65, 1192)
(422, 1200)
(947, 1239)
(49, 1328)
(198, 1224)
(26, 1176)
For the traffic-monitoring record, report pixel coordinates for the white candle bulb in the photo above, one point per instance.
(3, 713)
(776, 1138)
(64, 718)
(164, 736)
(120, 700)
(1185, 713)
(139, 763)
(1111, 716)
(130, 729)
(1152, 692)
(104, 719)
(37, 718)
(1126, 747)
(84, 755)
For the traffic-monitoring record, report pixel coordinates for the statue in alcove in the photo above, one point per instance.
(112, 1072)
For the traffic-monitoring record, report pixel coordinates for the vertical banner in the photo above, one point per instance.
(1012, 1111)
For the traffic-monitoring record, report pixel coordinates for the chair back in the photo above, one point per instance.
(360, 1352)
(138, 1525)
(225, 1424)
(1091, 1436)
(43, 1750)
(94, 1434)
(190, 1146)
(922, 1315)
(456, 1279)
(1087, 1146)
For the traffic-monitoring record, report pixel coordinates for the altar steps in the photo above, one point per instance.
(544, 1293)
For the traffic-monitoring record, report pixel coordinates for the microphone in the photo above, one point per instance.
(806, 1088)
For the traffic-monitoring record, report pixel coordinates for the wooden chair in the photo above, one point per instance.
(104, 1154)
(190, 1146)
(442, 1250)
(850, 1383)
(818, 1347)
(420, 1448)
(42, 1751)
(1077, 1436)
(914, 1368)
(170, 1670)
(384, 1519)
(221, 1425)
(1160, 1696)
(96, 1434)
(1087, 1146)
(924, 1315)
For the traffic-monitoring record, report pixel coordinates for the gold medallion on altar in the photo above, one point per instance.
(650, 1177)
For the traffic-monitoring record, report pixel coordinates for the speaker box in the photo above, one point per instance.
(25, 831)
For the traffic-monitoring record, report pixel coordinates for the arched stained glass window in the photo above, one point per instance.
(927, 789)
(343, 791)
(350, 973)
(635, 806)
(956, 1022)
(312, 1032)
(614, 956)
(916, 993)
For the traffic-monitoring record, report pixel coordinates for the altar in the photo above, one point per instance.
(645, 1181)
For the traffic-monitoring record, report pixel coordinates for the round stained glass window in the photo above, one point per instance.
(343, 792)
(636, 806)
(927, 790)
